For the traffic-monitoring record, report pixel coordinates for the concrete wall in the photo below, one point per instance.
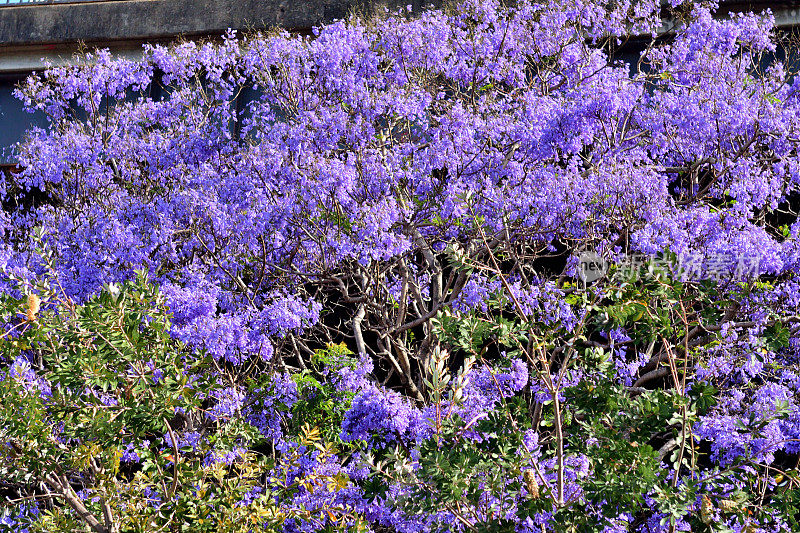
(37, 24)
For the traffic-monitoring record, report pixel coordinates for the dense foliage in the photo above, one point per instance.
(360, 301)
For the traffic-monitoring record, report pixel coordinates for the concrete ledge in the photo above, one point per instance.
(147, 20)
(30, 58)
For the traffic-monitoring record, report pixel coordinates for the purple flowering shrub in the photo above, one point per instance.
(359, 301)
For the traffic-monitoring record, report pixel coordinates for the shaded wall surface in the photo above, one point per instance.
(34, 23)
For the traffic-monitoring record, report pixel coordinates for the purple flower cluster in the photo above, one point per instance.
(382, 417)
(22, 372)
(266, 409)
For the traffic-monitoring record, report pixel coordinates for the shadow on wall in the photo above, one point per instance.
(14, 120)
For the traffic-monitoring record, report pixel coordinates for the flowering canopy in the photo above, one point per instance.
(420, 188)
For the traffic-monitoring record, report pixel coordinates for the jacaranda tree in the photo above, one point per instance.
(471, 269)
